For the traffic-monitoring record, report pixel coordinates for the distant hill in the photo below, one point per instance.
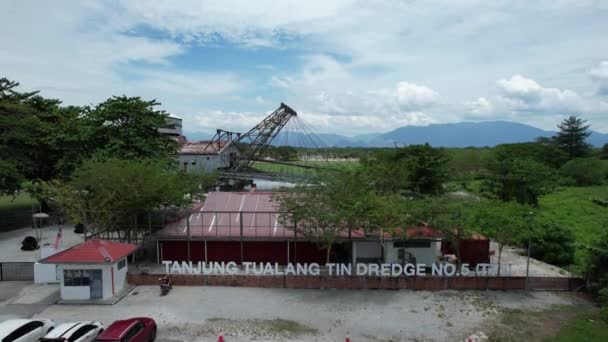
(462, 134)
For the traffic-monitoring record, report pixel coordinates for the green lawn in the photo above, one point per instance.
(586, 327)
(20, 201)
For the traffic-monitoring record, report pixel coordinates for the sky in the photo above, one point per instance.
(347, 67)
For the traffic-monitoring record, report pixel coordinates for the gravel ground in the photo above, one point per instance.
(254, 314)
(517, 259)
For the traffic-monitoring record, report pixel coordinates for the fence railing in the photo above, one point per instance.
(17, 271)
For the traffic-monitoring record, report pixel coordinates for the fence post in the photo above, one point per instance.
(188, 229)
(528, 266)
(241, 234)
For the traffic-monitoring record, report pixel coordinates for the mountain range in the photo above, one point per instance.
(462, 134)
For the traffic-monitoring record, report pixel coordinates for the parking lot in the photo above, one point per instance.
(255, 314)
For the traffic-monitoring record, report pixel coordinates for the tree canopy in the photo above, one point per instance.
(572, 135)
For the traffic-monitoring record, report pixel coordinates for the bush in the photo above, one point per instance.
(553, 244)
(585, 171)
(603, 299)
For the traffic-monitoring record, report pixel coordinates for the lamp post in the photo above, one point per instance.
(528, 260)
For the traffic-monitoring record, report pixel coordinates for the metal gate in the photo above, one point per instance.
(17, 271)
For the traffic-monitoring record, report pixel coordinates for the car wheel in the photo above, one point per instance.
(152, 335)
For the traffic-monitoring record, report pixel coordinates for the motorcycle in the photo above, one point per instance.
(165, 285)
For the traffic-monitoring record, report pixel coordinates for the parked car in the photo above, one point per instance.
(24, 330)
(138, 329)
(74, 332)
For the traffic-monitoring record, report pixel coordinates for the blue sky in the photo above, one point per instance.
(348, 67)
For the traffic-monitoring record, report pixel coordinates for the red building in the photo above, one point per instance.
(246, 227)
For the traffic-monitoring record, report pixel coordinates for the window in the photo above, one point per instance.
(81, 332)
(133, 332)
(22, 331)
(76, 278)
(414, 243)
(122, 263)
(193, 162)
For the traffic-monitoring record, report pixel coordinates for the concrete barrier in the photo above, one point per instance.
(359, 283)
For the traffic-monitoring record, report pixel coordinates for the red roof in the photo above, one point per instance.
(422, 232)
(92, 252)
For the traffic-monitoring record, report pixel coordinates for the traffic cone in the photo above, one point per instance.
(221, 337)
(347, 338)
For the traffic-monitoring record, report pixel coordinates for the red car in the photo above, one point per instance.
(137, 329)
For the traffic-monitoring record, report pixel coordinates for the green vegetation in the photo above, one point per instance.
(586, 326)
(22, 200)
(585, 171)
(554, 325)
(573, 208)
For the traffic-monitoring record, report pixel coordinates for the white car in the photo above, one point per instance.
(24, 330)
(74, 332)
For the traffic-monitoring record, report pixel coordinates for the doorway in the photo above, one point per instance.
(95, 284)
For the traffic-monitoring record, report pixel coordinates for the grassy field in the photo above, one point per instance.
(20, 201)
(572, 207)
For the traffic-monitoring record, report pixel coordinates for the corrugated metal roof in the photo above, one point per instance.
(223, 214)
(201, 147)
(93, 251)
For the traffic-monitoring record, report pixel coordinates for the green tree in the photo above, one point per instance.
(604, 152)
(309, 210)
(450, 217)
(419, 168)
(521, 180)
(127, 127)
(553, 244)
(507, 223)
(335, 204)
(571, 137)
(543, 150)
(39, 140)
(109, 195)
(585, 171)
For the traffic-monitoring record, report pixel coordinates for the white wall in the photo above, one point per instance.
(45, 273)
(120, 276)
(210, 162)
(426, 256)
(83, 292)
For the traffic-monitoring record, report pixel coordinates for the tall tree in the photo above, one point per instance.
(518, 179)
(419, 168)
(572, 136)
(507, 223)
(127, 127)
(110, 194)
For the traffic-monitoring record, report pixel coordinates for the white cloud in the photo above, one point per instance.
(600, 76)
(480, 107)
(525, 94)
(368, 64)
(412, 96)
